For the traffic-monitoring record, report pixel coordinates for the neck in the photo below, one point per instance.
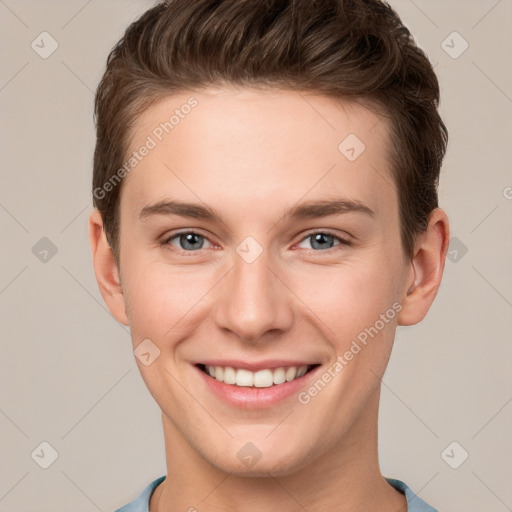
(344, 478)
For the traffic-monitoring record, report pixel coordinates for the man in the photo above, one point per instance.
(265, 178)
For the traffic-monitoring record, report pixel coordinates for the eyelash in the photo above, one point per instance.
(342, 241)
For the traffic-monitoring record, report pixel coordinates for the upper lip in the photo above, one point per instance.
(254, 366)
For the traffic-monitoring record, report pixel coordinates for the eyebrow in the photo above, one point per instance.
(307, 210)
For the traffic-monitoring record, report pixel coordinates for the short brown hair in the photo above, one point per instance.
(353, 49)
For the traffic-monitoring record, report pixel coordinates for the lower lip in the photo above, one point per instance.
(255, 398)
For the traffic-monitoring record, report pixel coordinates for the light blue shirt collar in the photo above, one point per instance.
(414, 503)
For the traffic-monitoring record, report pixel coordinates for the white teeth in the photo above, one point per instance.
(301, 371)
(291, 373)
(244, 378)
(263, 379)
(229, 375)
(279, 376)
(260, 379)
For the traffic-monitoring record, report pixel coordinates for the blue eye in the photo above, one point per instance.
(322, 240)
(188, 241)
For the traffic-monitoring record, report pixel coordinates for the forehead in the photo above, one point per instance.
(255, 145)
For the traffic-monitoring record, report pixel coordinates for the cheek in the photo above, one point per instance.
(350, 297)
(160, 298)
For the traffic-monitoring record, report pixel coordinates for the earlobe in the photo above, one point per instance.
(427, 268)
(106, 269)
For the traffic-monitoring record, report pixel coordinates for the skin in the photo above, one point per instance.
(252, 155)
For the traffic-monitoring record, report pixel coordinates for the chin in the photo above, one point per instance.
(276, 465)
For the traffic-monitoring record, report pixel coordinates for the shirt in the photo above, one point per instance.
(414, 503)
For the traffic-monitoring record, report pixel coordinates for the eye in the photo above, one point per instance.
(187, 241)
(321, 240)
(191, 241)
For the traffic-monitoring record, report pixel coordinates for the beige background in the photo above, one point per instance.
(67, 372)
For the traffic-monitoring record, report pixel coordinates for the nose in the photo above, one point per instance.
(254, 303)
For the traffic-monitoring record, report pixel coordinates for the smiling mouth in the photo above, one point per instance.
(265, 378)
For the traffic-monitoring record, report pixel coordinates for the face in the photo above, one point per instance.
(257, 242)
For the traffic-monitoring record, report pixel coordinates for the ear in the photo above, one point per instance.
(426, 269)
(106, 270)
